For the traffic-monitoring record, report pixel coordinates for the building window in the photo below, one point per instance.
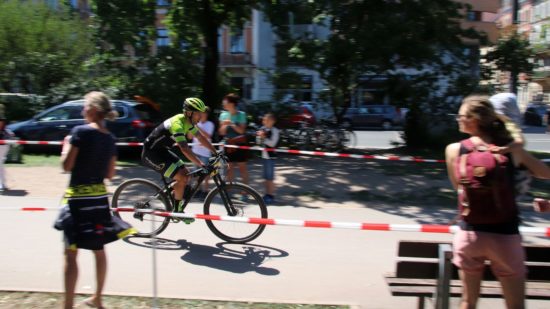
(237, 42)
(473, 16)
(162, 37)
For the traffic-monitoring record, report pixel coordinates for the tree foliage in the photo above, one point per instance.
(195, 25)
(512, 54)
(39, 47)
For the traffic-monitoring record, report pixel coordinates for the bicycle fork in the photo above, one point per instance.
(227, 203)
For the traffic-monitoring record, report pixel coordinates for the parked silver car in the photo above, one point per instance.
(384, 116)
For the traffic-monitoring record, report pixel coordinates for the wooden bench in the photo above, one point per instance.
(424, 270)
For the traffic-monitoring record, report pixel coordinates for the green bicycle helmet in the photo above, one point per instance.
(194, 104)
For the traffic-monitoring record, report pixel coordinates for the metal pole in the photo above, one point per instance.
(444, 277)
(154, 245)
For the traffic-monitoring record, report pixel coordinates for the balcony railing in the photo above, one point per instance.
(235, 59)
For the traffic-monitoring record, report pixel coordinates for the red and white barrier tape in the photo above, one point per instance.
(420, 228)
(339, 155)
(290, 151)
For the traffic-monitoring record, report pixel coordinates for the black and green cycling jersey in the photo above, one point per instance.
(172, 130)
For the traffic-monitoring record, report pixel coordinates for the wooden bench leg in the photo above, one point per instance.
(444, 277)
(421, 302)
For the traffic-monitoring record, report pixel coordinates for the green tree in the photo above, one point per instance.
(39, 47)
(195, 25)
(512, 54)
(126, 28)
(418, 46)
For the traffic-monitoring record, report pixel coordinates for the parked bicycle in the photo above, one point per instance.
(324, 137)
(225, 199)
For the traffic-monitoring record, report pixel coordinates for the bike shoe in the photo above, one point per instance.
(188, 220)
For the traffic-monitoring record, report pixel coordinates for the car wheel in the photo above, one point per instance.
(386, 125)
(346, 124)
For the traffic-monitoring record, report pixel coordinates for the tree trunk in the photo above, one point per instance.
(346, 103)
(211, 58)
(514, 82)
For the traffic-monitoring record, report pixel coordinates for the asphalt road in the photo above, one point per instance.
(537, 139)
(286, 264)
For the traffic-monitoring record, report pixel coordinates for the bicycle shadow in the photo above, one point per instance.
(235, 258)
(149, 243)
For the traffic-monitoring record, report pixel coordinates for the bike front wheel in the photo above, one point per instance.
(142, 194)
(246, 201)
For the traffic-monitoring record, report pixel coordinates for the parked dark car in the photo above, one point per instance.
(535, 114)
(135, 121)
(384, 116)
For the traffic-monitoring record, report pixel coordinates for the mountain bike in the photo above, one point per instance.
(225, 199)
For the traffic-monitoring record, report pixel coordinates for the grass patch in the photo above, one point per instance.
(54, 300)
(31, 160)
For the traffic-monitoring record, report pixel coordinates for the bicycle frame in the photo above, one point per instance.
(219, 182)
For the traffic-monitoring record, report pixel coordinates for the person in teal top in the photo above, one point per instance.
(233, 128)
(157, 148)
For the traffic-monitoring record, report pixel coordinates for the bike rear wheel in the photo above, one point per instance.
(246, 201)
(142, 194)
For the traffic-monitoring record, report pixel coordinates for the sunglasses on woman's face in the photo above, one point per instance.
(461, 117)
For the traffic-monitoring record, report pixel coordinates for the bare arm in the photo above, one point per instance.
(188, 153)
(68, 157)
(111, 170)
(515, 132)
(223, 127)
(537, 168)
(239, 128)
(451, 153)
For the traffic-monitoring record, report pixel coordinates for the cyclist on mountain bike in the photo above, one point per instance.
(158, 155)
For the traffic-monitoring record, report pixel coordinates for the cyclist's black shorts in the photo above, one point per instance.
(162, 160)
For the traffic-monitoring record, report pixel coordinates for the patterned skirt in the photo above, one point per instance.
(86, 221)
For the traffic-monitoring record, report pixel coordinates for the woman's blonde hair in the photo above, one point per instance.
(101, 102)
(489, 122)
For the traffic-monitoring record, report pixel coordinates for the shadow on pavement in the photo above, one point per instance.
(235, 258)
(14, 193)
